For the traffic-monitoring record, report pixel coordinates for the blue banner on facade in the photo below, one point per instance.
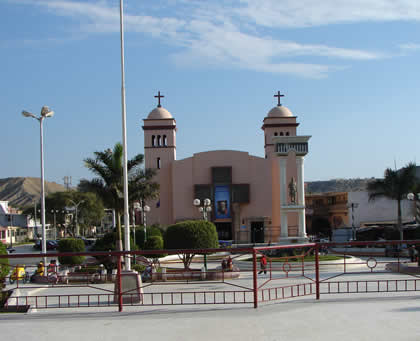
(222, 202)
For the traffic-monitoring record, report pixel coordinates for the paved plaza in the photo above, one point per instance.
(335, 317)
(363, 316)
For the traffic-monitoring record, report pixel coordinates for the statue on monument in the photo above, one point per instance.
(292, 190)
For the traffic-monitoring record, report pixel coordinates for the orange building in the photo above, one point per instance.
(326, 210)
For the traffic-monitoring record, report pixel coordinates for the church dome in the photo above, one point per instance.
(280, 111)
(159, 113)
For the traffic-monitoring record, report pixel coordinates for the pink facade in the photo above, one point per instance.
(244, 190)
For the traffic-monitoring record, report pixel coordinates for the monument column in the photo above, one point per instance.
(301, 195)
(284, 228)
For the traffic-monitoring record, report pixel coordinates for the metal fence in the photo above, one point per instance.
(221, 276)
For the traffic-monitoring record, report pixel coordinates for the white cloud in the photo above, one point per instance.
(228, 35)
(410, 46)
(304, 13)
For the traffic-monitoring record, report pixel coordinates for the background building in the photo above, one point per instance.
(249, 194)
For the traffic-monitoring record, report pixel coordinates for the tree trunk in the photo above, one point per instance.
(119, 240)
(399, 224)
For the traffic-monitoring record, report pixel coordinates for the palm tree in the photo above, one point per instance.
(395, 185)
(108, 166)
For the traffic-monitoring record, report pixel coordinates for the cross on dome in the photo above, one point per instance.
(159, 96)
(278, 96)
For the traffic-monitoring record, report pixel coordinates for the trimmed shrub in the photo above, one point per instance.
(4, 264)
(191, 234)
(154, 243)
(71, 245)
(150, 231)
(108, 243)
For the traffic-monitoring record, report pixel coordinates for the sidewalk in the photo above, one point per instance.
(334, 317)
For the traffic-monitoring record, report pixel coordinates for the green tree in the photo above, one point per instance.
(108, 166)
(191, 234)
(395, 185)
(4, 264)
(150, 231)
(89, 212)
(71, 245)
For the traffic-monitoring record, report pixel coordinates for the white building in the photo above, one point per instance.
(379, 211)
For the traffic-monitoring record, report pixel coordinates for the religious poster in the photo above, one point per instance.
(222, 202)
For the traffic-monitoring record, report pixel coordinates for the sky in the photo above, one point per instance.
(348, 68)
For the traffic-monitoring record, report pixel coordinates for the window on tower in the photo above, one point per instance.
(287, 133)
(153, 140)
(159, 140)
(281, 133)
(158, 163)
(275, 134)
(165, 141)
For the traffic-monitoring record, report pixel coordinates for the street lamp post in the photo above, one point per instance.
(75, 207)
(45, 112)
(145, 209)
(136, 207)
(204, 208)
(11, 230)
(353, 206)
(54, 212)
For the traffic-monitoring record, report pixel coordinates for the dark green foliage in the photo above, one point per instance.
(191, 234)
(138, 267)
(154, 243)
(150, 231)
(108, 243)
(71, 245)
(4, 263)
(108, 167)
(395, 185)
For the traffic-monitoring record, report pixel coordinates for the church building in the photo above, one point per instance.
(250, 199)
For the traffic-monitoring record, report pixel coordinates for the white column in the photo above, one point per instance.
(301, 196)
(284, 232)
(300, 181)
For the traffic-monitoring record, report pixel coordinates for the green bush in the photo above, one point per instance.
(4, 264)
(150, 231)
(71, 245)
(138, 267)
(154, 243)
(108, 243)
(191, 234)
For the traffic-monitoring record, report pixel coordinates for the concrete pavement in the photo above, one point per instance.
(335, 317)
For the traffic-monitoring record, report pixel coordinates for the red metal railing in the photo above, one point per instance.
(288, 276)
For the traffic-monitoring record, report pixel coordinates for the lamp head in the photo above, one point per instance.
(196, 202)
(46, 112)
(146, 208)
(28, 114)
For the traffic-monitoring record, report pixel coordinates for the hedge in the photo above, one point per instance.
(71, 245)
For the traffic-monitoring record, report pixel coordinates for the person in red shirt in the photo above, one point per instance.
(263, 265)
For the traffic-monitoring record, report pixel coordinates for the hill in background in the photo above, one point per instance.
(21, 192)
(337, 185)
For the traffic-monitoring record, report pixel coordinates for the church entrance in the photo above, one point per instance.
(224, 231)
(257, 232)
